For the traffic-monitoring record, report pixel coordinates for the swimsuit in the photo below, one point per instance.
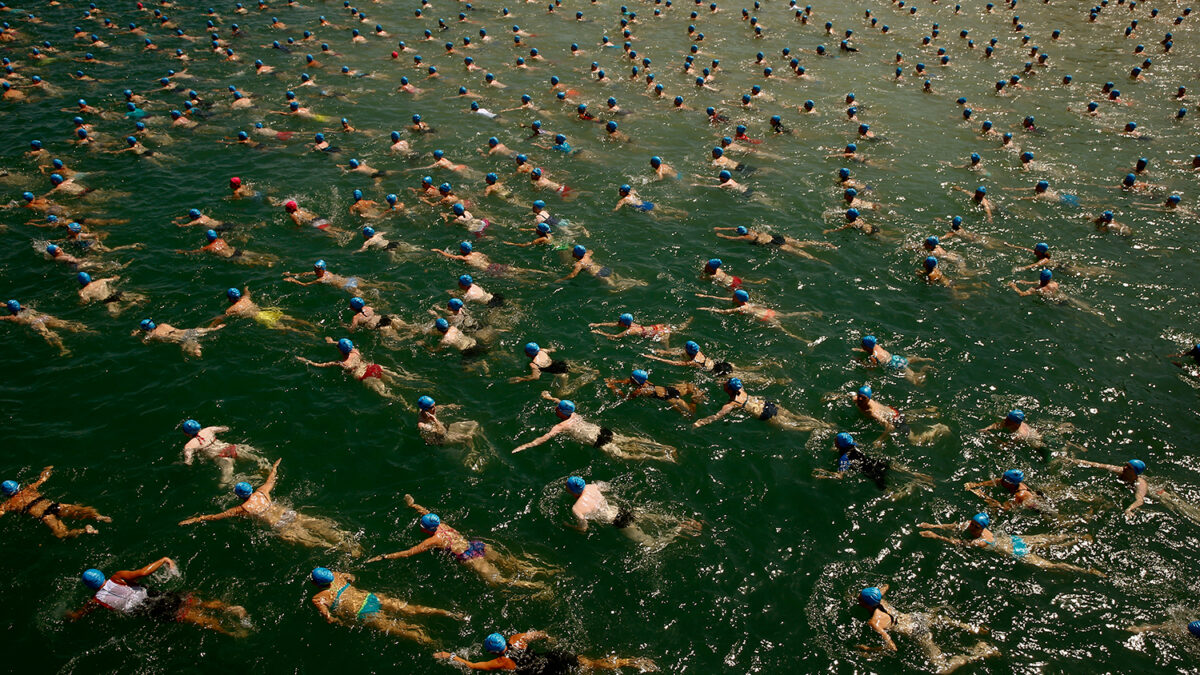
(603, 438)
(496, 301)
(392, 245)
(370, 605)
(269, 317)
(645, 206)
(496, 269)
(476, 549)
(624, 518)
(897, 364)
(50, 510)
(373, 370)
(604, 272)
(769, 410)
(721, 368)
(555, 368)
(320, 223)
(384, 321)
(871, 467)
(556, 662)
(669, 393)
(115, 297)
(229, 451)
(351, 284)
(777, 240)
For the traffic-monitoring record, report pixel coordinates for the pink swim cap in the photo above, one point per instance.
(395, 55)
(290, 205)
(235, 181)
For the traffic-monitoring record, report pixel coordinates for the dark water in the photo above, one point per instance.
(770, 583)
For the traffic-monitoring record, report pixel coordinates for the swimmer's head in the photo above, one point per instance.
(931, 242)
(717, 152)
(870, 597)
(458, 209)
(849, 194)
(1173, 200)
(465, 281)
(712, 265)
(864, 392)
(625, 319)
(565, 408)
(430, 522)
(575, 485)
(14, 306)
(733, 384)
(191, 427)
(1045, 276)
(1015, 416)
(844, 173)
(442, 325)
(1041, 248)
(291, 206)
(656, 161)
(454, 304)
(1194, 628)
(741, 297)
(27, 196)
(83, 278)
(233, 294)
(465, 247)
(211, 235)
(1137, 465)
(981, 520)
(639, 376)
(532, 349)
(495, 643)
(425, 403)
(10, 488)
(579, 251)
(93, 579)
(691, 348)
(1107, 216)
(1042, 186)
(243, 490)
(321, 576)
(357, 304)
(1129, 180)
(345, 346)
(742, 230)
(844, 441)
(543, 228)
(1013, 477)
(851, 215)
(869, 341)
(53, 249)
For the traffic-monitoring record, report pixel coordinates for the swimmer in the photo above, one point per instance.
(203, 441)
(662, 170)
(434, 432)
(980, 536)
(364, 208)
(725, 181)
(375, 239)
(43, 324)
(788, 244)
(239, 189)
(613, 444)
(852, 201)
(714, 272)
(742, 305)
(453, 337)
(55, 253)
(541, 363)
(1043, 192)
(481, 262)
(389, 326)
(374, 376)
(583, 262)
(855, 221)
(542, 236)
(241, 306)
(893, 364)
(1021, 495)
(1193, 353)
(638, 385)
(514, 653)
(1130, 474)
(1177, 627)
(123, 594)
(459, 214)
(361, 166)
(918, 626)
(29, 500)
(659, 332)
(197, 217)
(291, 526)
(1014, 425)
(980, 199)
(851, 457)
(457, 314)
(764, 410)
(539, 181)
(1046, 286)
(102, 291)
(186, 338)
(891, 419)
(694, 358)
(321, 275)
(629, 197)
(303, 217)
(484, 559)
(473, 292)
(592, 505)
(350, 606)
(220, 248)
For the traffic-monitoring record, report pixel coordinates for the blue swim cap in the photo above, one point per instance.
(869, 341)
(243, 490)
(321, 576)
(458, 209)
(1014, 477)
(1194, 628)
(1026, 156)
(579, 251)
(14, 306)
(74, 228)
(982, 520)
(865, 391)
(575, 485)
(233, 294)
(734, 383)
(319, 265)
(844, 441)
(931, 242)
(1015, 416)
(442, 325)
(84, 278)
(725, 175)
(843, 173)
(345, 346)
(713, 264)
(1107, 216)
(625, 319)
(357, 304)
(320, 137)
(368, 232)
(741, 296)
(611, 126)
(1137, 465)
(438, 154)
(1045, 276)
(11, 487)
(640, 376)
(691, 348)
(425, 402)
(981, 190)
(495, 643)
(430, 522)
(1041, 247)
(465, 281)
(445, 188)
(565, 408)
(742, 230)
(358, 195)
(539, 204)
(1129, 180)
(871, 597)
(52, 249)
(93, 579)
(28, 196)
(532, 348)
(465, 247)
(851, 214)
(191, 427)
(850, 192)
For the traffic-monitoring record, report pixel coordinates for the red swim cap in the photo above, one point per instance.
(395, 55)
(235, 181)
(290, 205)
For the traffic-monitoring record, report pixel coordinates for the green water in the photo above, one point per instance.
(769, 585)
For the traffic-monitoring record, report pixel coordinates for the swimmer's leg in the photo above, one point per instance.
(979, 652)
(53, 338)
(928, 435)
(491, 574)
(1055, 539)
(939, 620)
(626, 447)
(62, 531)
(81, 513)
(614, 663)
(398, 628)
(790, 421)
(190, 348)
(196, 617)
(1041, 562)
(328, 532)
(402, 607)
(225, 464)
(579, 376)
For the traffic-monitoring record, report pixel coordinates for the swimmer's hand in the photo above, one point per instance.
(408, 500)
(375, 559)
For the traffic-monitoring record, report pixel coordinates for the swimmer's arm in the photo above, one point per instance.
(134, 575)
(269, 484)
(981, 484)
(554, 431)
(825, 473)
(667, 361)
(938, 526)
(887, 641)
(612, 382)
(534, 374)
(42, 478)
(932, 535)
(574, 272)
(1093, 465)
(1028, 291)
(429, 543)
(1146, 628)
(235, 511)
(294, 280)
(838, 229)
(711, 297)
(725, 410)
(494, 664)
(314, 364)
(580, 523)
(608, 335)
(448, 255)
(719, 310)
(1141, 497)
(323, 608)
(85, 610)
(990, 502)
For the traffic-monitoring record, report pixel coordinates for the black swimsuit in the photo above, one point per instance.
(496, 301)
(668, 394)
(722, 368)
(769, 410)
(624, 518)
(777, 240)
(605, 437)
(392, 245)
(555, 662)
(556, 368)
(115, 297)
(384, 321)
(50, 510)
